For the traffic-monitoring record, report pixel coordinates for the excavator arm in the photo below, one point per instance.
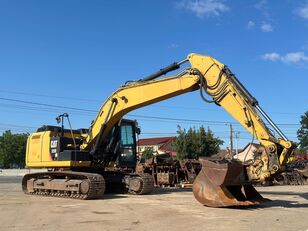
(226, 90)
(205, 74)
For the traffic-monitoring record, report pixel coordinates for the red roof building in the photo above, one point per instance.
(159, 144)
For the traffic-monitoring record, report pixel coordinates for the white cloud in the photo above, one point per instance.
(298, 58)
(173, 46)
(203, 8)
(302, 11)
(305, 46)
(266, 27)
(250, 24)
(264, 8)
(295, 57)
(261, 5)
(271, 56)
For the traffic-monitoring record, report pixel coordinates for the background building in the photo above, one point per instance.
(159, 145)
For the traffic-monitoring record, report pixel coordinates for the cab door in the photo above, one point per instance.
(127, 152)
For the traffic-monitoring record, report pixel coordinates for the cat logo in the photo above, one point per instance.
(54, 144)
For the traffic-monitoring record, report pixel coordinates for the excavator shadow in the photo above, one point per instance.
(303, 195)
(284, 204)
(112, 196)
(156, 191)
(279, 203)
(271, 204)
(169, 190)
(268, 204)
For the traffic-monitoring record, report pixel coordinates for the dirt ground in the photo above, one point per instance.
(164, 209)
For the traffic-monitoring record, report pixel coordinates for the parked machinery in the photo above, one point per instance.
(296, 173)
(168, 171)
(80, 160)
(190, 169)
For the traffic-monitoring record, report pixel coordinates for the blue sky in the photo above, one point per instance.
(76, 53)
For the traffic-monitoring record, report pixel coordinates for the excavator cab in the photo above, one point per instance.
(119, 147)
(127, 156)
(54, 146)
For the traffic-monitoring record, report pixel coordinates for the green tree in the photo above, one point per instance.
(302, 133)
(194, 143)
(13, 149)
(147, 153)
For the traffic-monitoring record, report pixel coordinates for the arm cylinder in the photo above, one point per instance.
(268, 119)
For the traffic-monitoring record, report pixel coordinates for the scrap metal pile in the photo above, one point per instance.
(296, 173)
(168, 171)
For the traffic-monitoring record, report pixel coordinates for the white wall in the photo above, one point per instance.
(19, 172)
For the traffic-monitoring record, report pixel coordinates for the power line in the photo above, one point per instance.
(79, 113)
(198, 121)
(17, 126)
(46, 109)
(47, 105)
(4, 129)
(99, 101)
(140, 119)
(9, 126)
(49, 96)
(134, 115)
(220, 137)
(23, 129)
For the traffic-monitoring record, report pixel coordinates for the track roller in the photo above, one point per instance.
(76, 185)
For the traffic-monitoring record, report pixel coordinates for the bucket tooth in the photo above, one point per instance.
(223, 183)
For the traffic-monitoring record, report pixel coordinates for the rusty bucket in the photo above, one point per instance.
(224, 183)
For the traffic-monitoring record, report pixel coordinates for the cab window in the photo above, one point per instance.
(127, 143)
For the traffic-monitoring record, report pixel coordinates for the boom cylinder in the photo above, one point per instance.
(165, 70)
(252, 100)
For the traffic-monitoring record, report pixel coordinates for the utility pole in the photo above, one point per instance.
(231, 141)
(236, 138)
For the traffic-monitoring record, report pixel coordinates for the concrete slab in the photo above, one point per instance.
(165, 209)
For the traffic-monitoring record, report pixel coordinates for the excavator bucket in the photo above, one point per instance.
(224, 183)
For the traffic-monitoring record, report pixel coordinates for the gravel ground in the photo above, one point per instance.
(164, 209)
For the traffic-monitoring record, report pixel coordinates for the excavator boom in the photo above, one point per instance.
(205, 74)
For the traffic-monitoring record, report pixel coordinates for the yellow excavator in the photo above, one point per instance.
(85, 162)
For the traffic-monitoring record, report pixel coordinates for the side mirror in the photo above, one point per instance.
(58, 119)
(138, 130)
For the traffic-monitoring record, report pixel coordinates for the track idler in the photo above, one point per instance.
(139, 184)
(224, 183)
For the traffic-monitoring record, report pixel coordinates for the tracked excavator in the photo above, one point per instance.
(83, 163)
